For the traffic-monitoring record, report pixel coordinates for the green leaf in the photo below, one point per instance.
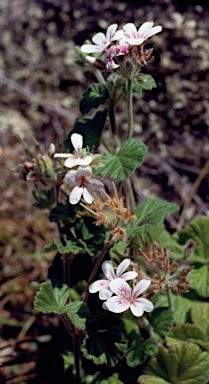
(105, 343)
(186, 332)
(94, 96)
(161, 320)
(78, 312)
(52, 299)
(184, 363)
(144, 82)
(90, 128)
(200, 314)
(68, 247)
(181, 306)
(45, 198)
(135, 349)
(122, 165)
(64, 212)
(111, 380)
(197, 230)
(150, 215)
(119, 250)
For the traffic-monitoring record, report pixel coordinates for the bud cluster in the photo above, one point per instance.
(167, 273)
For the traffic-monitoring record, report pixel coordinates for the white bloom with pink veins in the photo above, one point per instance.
(103, 286)
(129, 298)
(84, 184)
(79, 157)
(134, 37)
(102, 41)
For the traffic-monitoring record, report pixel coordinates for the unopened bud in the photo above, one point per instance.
(51, 150)
(99, 64)
(189, 247)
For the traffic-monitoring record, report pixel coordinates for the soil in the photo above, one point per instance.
(40, 88)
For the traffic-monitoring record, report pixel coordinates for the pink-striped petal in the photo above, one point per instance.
(122, 267)
(140, 287)
(97, 285)
(100, 40)
(145, 28)
(130, 29)
(117, 304)
(146, 305)
(108, 270)
(111, 31)
(136, 309)
(121, 288)
(129, 275)
(75, 195)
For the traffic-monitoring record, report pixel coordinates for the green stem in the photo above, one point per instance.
(96, 266)
(169, 296)
(113, 126)
(129, 193)
(77, 360)
(130, 109)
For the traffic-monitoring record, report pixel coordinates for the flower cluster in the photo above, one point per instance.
(125, 297)
(120, 42)
(81, 178)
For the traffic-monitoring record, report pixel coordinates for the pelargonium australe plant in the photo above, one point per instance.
(119, 280)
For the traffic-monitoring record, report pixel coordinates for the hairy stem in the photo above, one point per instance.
(96, 266)
(129, 108)
(169, 296)
(77, 360)
(196, 184)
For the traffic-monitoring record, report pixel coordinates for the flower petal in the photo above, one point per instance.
(130, 29)
(111, 32)
(88, 195)
(96, 184)
(100, 40)
(75, 195)
(64, 155)
(145, 28)
(117, 304)
(90, 48)
(108, 270)
(118, 35)
(122, 267)
(146, 304)
(105, 293)
(86, 160)
(71, 161)
(97, 285)
(140, 287)
(154, 30)
(121, 288)
(137, 41)
(84, 171)
(129, 275)
(70, 176)
(136, 309)
(77, 141)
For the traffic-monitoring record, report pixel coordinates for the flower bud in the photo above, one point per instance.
(99, 64)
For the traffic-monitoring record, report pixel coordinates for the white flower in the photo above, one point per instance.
(80, 157)
(102, 41)
(84, 184)
(134, 37)
(127, 298)
(103, 285)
